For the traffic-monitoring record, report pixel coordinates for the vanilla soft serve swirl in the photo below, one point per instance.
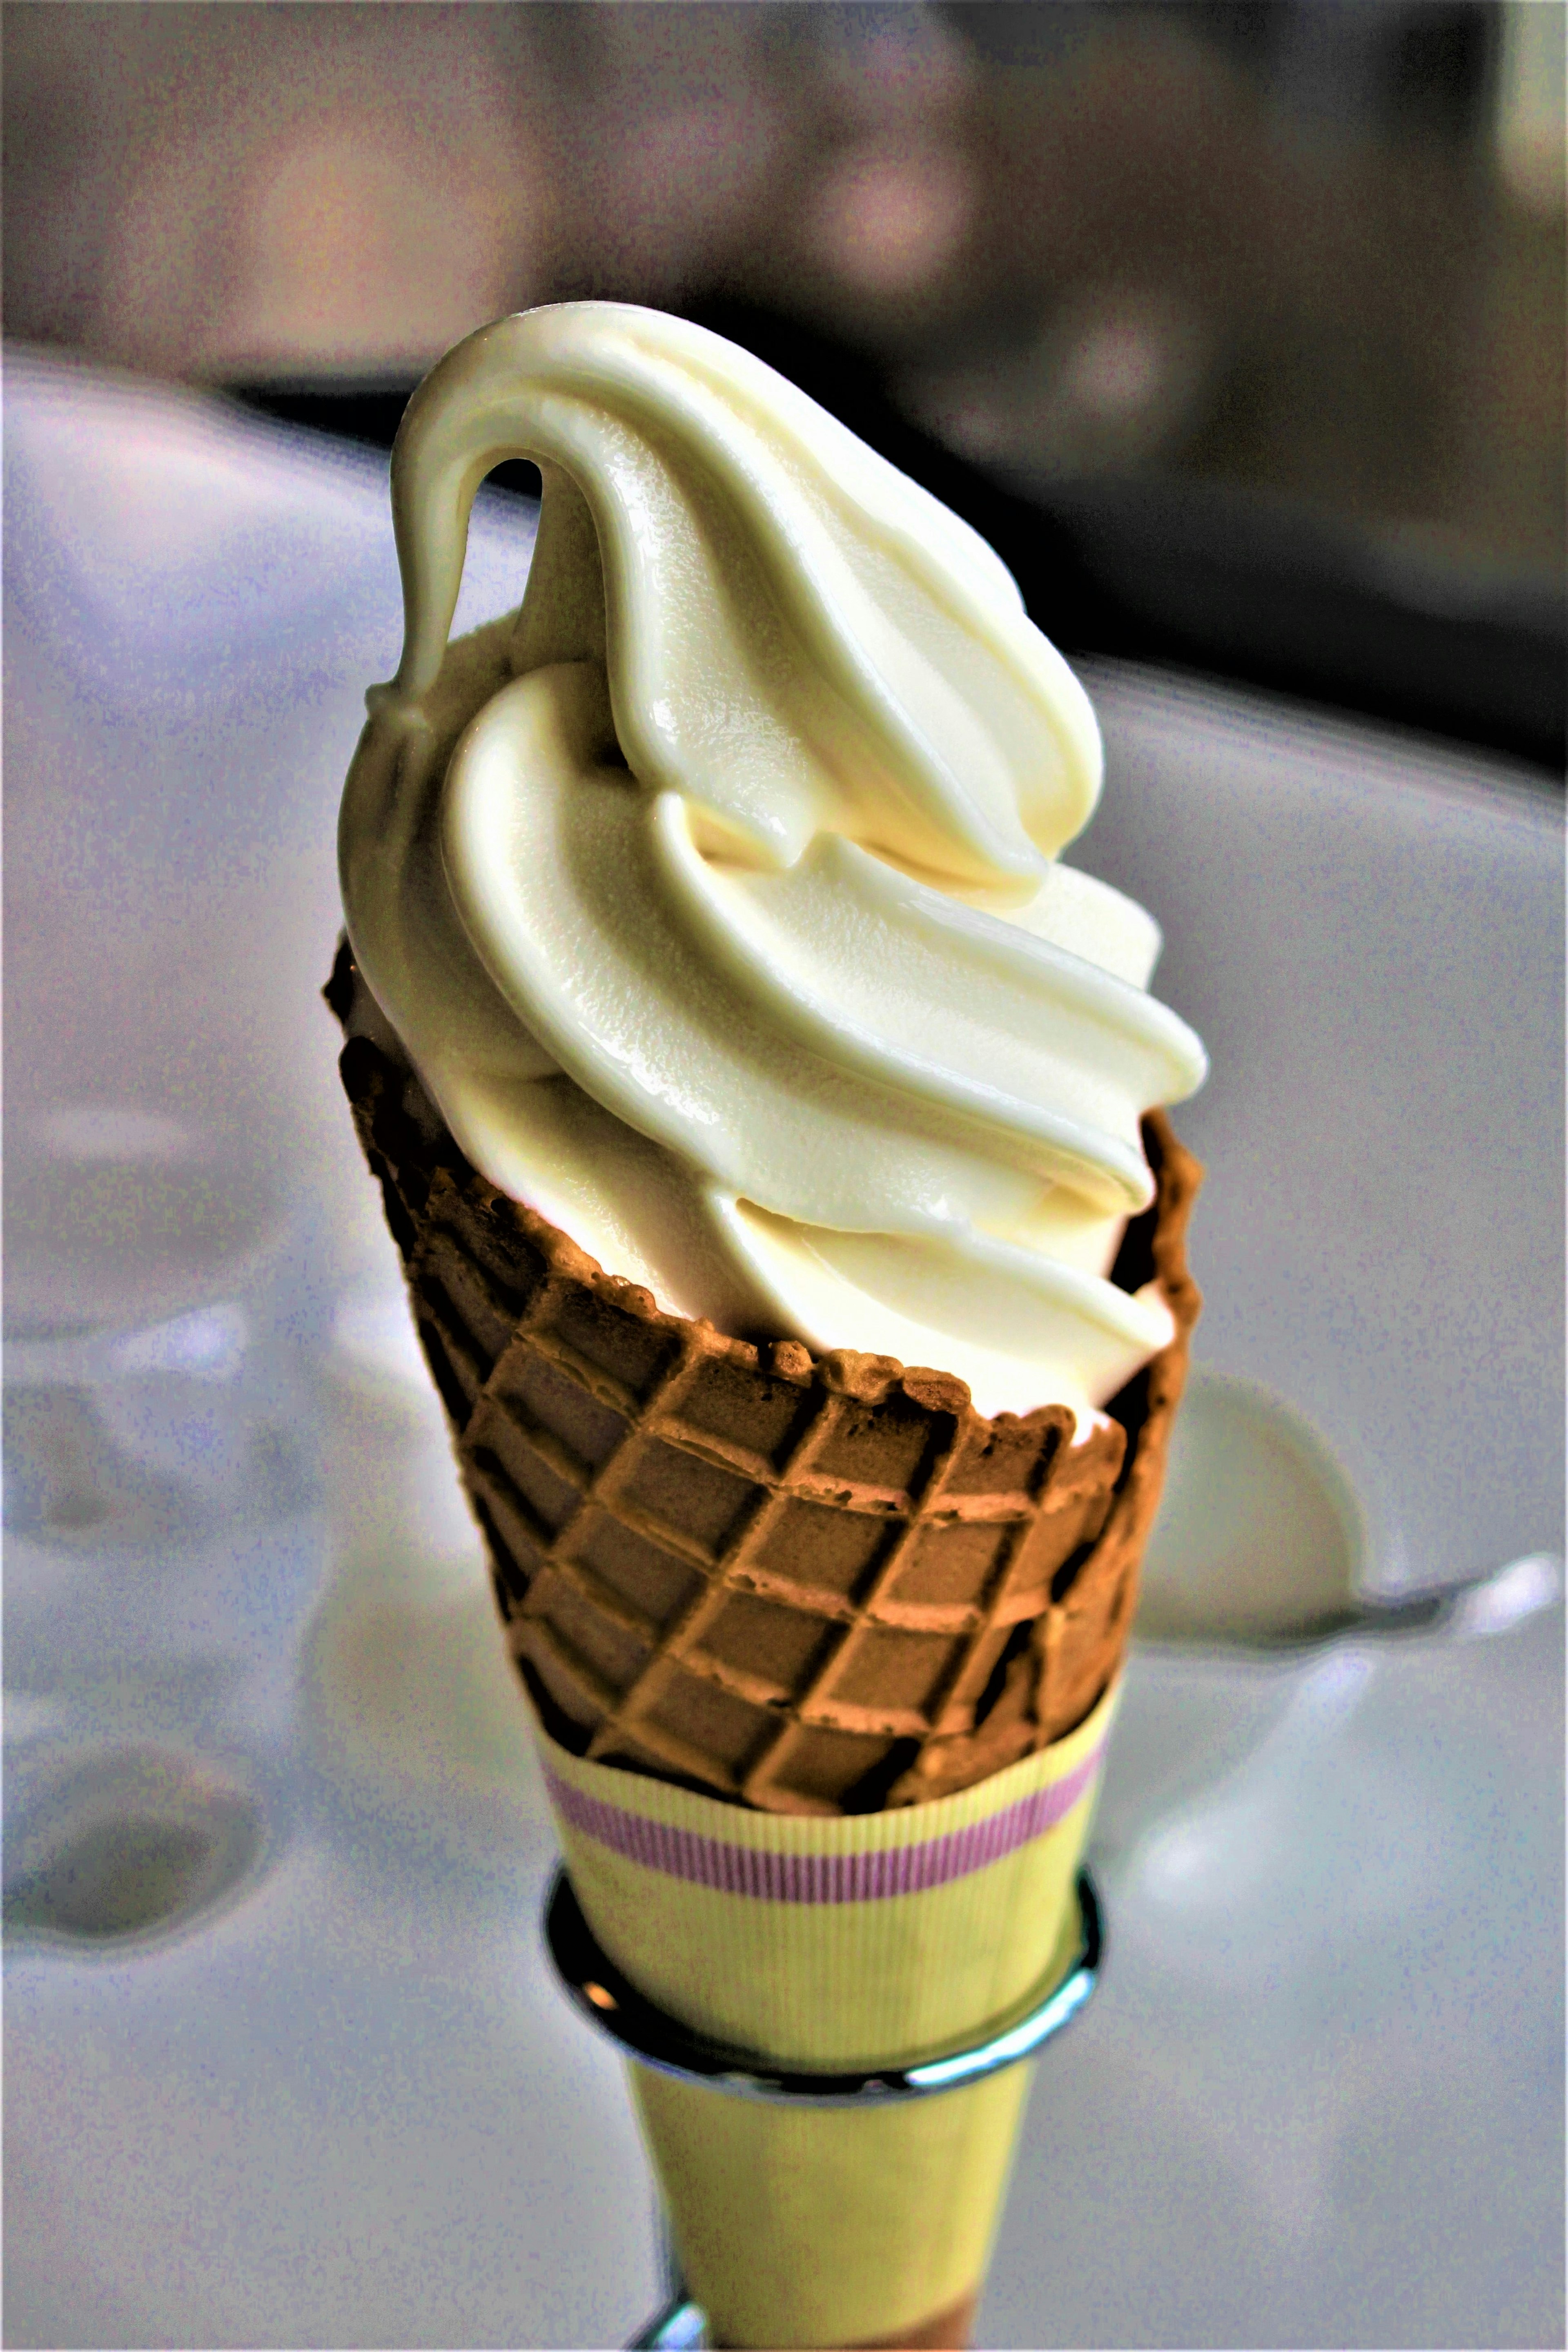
(714, 895)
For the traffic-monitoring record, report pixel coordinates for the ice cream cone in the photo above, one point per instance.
(715, 897)
(807, 1585)
(811, 1616)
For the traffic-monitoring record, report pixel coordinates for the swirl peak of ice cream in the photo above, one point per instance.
(714, 894)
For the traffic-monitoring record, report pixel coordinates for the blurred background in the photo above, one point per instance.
(1238, 328)
(1237, 325)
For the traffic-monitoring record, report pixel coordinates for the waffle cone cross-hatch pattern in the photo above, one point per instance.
(805, 1584)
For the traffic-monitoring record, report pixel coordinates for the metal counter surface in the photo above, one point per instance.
(329, 2095)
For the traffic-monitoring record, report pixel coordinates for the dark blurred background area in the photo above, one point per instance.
(1237, 325)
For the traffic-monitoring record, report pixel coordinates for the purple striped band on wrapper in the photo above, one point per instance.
(823, 1877)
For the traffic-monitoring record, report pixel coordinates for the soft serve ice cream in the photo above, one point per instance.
(710, 906)
(714, 896)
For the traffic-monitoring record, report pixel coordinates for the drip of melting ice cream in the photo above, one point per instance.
(714, 895)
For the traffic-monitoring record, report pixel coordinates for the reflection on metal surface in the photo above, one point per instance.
(1260, 1536)
(1261, 1541)
(682, 2324)
(1496, 1603)
(605, 1998)
(135, 1845)
(110, 1131)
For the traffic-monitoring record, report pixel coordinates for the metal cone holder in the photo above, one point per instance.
(645, 2033)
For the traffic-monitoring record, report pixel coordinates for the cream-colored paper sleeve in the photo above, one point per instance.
(831, 1944)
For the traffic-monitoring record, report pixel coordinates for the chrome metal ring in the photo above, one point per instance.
(598, 1989)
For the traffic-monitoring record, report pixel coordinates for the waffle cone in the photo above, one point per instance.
(811, 1584)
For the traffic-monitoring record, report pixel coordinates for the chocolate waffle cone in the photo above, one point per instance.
(805, 1584)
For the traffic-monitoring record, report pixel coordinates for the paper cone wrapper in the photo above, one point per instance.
(822, 1944)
